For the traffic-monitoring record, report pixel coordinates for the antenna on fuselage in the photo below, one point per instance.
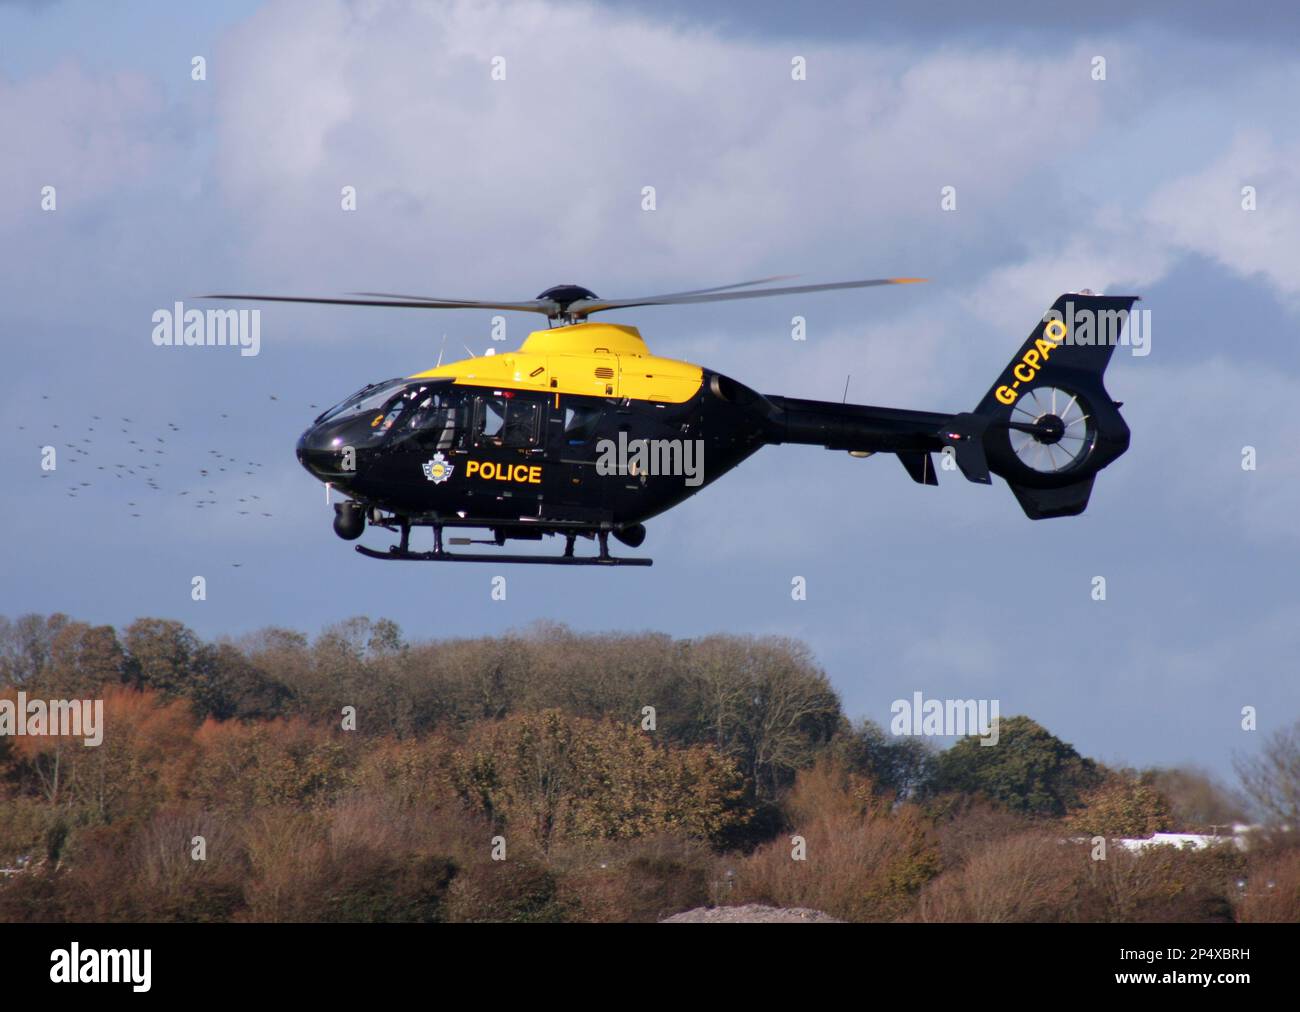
(442, 349)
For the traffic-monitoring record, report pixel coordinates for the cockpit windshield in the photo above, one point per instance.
(389, 413)
(429, 413)
(368, 398)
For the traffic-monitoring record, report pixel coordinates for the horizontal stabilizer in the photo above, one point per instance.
(921, 467)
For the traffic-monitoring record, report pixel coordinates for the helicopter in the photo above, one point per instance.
(582, 432)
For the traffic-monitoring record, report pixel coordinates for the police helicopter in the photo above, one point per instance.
(583, 432)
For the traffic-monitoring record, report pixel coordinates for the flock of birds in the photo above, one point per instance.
(142, 461)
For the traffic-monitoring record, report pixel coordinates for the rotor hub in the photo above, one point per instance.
(1050, 429)
(566, 295)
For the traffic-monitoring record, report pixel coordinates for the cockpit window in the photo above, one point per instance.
(491, 417)
(388, 413)
(368, 398)
(506, 421)
(432, 416)
(415, 411)
(580, 423)
(521, 423)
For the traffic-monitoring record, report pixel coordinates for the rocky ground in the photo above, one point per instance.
(750, 913)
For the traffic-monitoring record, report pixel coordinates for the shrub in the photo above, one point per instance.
(864, 860)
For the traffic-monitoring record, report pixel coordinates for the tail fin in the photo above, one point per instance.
(1047, 424)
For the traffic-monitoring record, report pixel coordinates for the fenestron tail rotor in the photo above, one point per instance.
(1051, 429)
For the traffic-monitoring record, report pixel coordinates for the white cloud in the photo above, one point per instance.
(479, 182)
(86, 135)
(1202, 212)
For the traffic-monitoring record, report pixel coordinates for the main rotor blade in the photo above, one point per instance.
(584, 307)
(523, 305)
(579, 309)
(472, 303)
(546, 307)
(720, 288)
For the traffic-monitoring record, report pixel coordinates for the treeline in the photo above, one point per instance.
(549, 775)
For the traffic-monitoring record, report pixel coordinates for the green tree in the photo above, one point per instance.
(163, 655)
(227, 685)
(82, 659)
(900, 767)
(1029, 770)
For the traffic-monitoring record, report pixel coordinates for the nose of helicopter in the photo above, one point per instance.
(320, 451)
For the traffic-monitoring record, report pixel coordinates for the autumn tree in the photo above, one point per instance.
(25, 647)
(1197, 801)
(1272, 778)
(761, 701)
(1028, 877)
(848, 852)
(1160, 884)
(280, 762)
(549, 775)
(1123, 805)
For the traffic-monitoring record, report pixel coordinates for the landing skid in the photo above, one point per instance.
(570, 531)
(535, 560)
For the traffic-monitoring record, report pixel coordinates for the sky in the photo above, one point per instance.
(468, 186)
